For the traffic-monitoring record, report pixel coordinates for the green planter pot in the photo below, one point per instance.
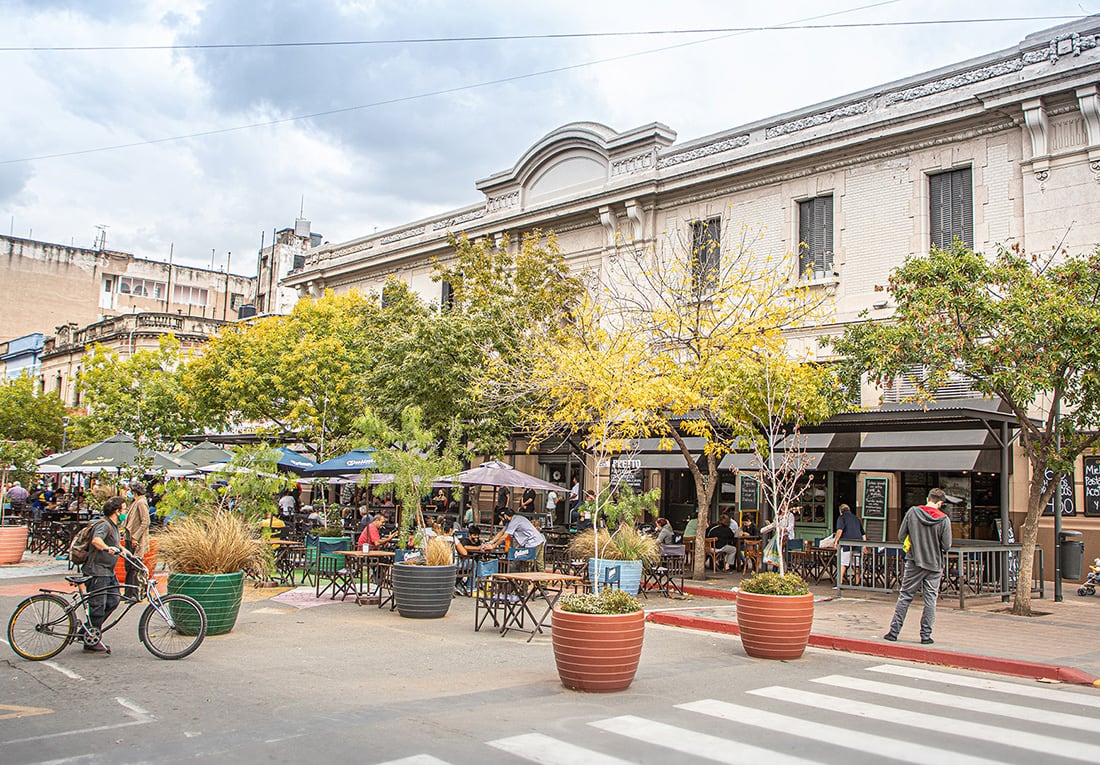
(423, 592)
(218, 594)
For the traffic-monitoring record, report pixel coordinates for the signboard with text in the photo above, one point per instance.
(1069, 500)
(1091, 481)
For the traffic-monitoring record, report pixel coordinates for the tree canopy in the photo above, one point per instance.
(29, 414)
(1025, 329)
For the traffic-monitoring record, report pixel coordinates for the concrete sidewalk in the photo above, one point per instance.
(1061, 644)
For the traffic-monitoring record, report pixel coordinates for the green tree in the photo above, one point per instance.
(28, 413)
(1022, 328)
(141, 396)
(17, 463)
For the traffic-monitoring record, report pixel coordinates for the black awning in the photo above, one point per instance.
(929, 450)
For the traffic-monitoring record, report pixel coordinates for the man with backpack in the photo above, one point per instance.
(100, 565)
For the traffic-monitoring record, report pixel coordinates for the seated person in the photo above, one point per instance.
(665, 534)
(473, 537)
(725, 542)
(364, 520)
(748, 527)
(371, 537)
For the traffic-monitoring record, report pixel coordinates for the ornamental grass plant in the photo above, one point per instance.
(626, 543)
(218, 542)
(771, 583)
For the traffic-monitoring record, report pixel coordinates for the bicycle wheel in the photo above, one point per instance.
(41, 627)
(179, 634)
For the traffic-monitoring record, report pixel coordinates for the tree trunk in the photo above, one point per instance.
(1036, 501)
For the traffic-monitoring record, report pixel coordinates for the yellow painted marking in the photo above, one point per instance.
(11, 712)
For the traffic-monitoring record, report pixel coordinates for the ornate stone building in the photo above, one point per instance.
(1001, 149)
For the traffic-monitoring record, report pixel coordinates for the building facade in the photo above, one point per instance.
(50, 285)
(286, 254)
(1001, 149)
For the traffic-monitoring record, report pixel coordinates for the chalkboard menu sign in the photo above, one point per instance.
(1092, 486)
(750, 494)
(874, 497)
(1069, 499)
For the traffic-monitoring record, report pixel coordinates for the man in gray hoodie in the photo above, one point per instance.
(929, 533)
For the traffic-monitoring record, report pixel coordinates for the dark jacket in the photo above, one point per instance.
(929, 532)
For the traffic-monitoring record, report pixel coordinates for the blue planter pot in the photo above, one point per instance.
(630, 573)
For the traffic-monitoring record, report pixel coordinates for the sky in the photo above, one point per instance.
(204, 151)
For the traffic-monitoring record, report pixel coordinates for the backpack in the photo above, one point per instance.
(81, 546)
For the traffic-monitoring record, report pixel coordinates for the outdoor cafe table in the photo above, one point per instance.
(360, 565)
(284, 558)
(524, 586)
(815, 563)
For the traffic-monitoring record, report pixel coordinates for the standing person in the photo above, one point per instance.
(504, 499)
(287, 506)
(575, 495)
(527, 504)
(552, 506)
(847, 527)
(106, 543)
(928, 530)
(136, 525)
(523, 534)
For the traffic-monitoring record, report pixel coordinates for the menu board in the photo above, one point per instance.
(1091, 480)
(627, 472)
(874, 497)
(1069, 500)
(750, 494)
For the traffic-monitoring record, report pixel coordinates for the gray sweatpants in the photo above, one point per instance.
(913, 578)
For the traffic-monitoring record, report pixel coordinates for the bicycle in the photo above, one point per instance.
(171, 626)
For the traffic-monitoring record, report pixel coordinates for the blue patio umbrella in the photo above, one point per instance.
(355, 461)
(293, 462)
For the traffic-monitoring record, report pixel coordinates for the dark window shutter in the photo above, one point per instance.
(815, 234)
(951, 207)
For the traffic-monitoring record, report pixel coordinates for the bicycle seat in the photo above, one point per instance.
(78, 579)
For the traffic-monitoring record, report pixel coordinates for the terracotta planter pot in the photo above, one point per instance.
(597, 653)
(149, 559)
(774, 626)
(13, 543)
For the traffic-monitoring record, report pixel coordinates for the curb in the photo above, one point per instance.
(1014, 667)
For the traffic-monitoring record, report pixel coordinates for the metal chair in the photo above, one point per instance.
(666, 574)
(520, 559)
(330, 569)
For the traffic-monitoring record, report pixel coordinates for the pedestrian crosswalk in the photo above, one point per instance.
(885, 712)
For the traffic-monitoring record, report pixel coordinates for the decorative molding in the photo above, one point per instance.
(636, 215)
(503, 202)
(406, 234)
(1063, 45)
(458, 220)
(610, 223)
(634, 164)
(821, 118)
(703, 151)
(956, 81)
(1038, 127)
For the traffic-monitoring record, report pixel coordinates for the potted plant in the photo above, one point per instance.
(626, 548)
(215, 541)
(17, 458)
(412, 455)
(774, 615)
(597, 640)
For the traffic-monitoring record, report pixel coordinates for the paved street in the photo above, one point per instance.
(339, 681)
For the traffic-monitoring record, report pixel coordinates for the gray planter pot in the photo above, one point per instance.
(423, 592)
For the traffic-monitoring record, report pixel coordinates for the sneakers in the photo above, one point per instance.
(97, 648)
(927, 641)
(891, 637)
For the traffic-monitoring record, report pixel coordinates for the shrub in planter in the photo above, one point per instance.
(597, 640)
(774, 615)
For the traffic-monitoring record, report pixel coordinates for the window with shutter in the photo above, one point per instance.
(951, 207)
(815, 235)
(706, 252)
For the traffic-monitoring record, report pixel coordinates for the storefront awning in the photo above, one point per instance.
(817, 447)
(649, 453)
(931, 450)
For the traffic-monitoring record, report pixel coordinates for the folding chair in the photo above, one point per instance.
(330, 568)
(667, 574)
(308, 559)
(465, 568)
(496, 601)
(520, 559)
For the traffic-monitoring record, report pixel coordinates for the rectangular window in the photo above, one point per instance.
(447, 299)
(706, 252)
(186, 295)
(951, 207)
(108, 284)
(235, 299)
(815, 238)
(299, 263)
(128, 285)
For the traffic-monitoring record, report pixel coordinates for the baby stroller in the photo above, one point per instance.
(1089, 587)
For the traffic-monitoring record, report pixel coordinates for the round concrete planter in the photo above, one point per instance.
(13, 543)
(597, 653)
(218, 594)
(774, 626)
(423, 592)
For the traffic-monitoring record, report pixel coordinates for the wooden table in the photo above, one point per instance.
(358, 563)
(523, 587)
(815, 563)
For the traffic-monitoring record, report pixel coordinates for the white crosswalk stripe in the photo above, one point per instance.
(1076, 722)
(1002, 735)
(988, 684)
(790, 737)
(535, 747)
(896, 749)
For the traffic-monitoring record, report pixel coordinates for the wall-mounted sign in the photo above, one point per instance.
(1069, 500)
(750, 494)
(1091, 480)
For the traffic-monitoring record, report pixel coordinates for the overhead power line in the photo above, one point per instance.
(544, 36)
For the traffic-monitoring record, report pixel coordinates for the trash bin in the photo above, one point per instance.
(1073, 554)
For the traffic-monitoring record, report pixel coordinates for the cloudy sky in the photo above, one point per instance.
(206, 148)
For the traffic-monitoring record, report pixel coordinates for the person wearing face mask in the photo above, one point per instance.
(135, 523)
